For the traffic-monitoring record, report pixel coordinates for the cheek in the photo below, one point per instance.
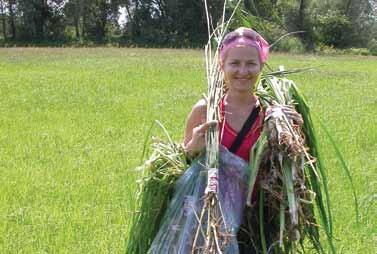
(229, 70)
(255, 69)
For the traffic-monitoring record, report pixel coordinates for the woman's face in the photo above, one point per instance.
(241, 68)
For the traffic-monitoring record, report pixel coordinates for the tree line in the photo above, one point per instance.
(182, 23)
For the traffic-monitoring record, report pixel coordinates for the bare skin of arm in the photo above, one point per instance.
(196, 127)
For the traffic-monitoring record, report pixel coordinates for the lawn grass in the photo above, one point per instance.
(73, 122)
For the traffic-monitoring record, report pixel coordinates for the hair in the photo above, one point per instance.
(243, 36)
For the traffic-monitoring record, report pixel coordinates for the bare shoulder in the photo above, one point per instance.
(200, 106)
(196, 117)
(198, 112)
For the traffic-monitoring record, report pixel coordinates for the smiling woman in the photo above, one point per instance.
(242, 55)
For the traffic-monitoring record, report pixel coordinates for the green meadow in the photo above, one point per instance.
(73, 124)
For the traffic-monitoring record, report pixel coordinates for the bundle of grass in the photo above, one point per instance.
(159, 174)
(292, 179)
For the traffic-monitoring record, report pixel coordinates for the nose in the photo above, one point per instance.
(243, 70)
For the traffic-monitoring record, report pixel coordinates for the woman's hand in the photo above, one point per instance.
(293, 115)
(197, 142)
(290, 113)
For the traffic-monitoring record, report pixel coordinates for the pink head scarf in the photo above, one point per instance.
(245, 37)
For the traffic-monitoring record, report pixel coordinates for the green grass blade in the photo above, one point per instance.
(255, 161)
(322, 201)
(282, 223)
(261, 221)
(288, 182)
(145, 143)
(344, 167)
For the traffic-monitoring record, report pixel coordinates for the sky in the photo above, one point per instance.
(122, 17)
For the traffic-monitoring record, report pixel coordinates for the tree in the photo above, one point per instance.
(11, 7)
(97, 17)
(183, 22)
(3, 19)
(169, 22)
(73, 11)
(362, 18)
(33, 15)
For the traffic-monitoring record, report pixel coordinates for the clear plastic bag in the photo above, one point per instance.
(180, 222)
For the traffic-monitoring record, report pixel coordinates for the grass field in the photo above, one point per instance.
(73, 122)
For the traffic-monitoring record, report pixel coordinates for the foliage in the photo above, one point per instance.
(268, 29)
(182, 23)
(334, 28)
(172, 23)
(292, 45)
(358, 51)
(372, 46)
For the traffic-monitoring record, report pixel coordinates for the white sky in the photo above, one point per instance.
(122, 17)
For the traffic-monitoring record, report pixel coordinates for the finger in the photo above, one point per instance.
(198, 131)
(289, 110)
(294, 116)
(292, 113)
(212, 122)
(208, 124)
(298, 120)
(200, 134)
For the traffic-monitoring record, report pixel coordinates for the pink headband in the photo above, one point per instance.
(245, 37)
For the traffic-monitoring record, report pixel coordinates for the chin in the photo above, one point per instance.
(244, 86)
(243, 89)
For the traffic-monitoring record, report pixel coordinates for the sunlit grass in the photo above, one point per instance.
(73, 122)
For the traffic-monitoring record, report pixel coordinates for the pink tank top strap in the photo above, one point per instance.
(228, 134)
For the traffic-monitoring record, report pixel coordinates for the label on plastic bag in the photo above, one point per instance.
(213, 180)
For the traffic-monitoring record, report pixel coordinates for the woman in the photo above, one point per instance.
(243, 54)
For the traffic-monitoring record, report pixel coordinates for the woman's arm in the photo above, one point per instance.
(196, 127)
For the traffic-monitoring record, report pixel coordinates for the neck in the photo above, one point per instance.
(237, 98)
